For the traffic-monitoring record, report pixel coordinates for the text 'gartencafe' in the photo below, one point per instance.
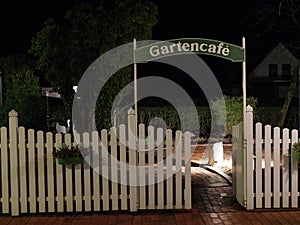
(186, 46)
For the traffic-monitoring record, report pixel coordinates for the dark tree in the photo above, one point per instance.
(268, 23)
(64, 49)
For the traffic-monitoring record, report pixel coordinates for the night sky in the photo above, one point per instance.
(20, 20)
(213, 19)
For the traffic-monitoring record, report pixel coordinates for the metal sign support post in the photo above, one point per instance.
(244, 84)
(135, 81)
(136, 122)
(244, 121)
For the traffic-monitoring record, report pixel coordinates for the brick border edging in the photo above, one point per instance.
(222, 174)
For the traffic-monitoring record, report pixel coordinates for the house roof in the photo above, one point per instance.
(280, 51)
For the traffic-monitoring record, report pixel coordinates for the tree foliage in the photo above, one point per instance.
(21, 91)
(266, 23)
(15, 63)
(272, 22)
(64, 49)
(23, 94)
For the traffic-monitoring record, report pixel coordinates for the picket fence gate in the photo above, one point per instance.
(32, 181)
(265, 170)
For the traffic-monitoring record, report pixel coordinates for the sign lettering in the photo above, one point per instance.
(186, 46)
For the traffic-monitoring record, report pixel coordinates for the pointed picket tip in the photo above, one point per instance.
(131, 111)
(249, 109)
(13, 113)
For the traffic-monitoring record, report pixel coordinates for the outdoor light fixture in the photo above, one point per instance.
(75, 88)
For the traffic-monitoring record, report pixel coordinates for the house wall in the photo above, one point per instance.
(279, 55)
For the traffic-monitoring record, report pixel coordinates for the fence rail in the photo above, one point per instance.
(150, 178)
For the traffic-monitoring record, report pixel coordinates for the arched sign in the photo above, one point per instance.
(185, 46)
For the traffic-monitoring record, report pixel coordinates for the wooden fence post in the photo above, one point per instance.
(14, 163)
(188, 181)
(132, 138)
(249, 158)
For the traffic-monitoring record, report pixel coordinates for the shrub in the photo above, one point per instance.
(234, 111)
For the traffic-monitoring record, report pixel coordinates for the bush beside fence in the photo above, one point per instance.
(265, 115)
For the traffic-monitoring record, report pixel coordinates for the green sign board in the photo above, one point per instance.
(188, 45)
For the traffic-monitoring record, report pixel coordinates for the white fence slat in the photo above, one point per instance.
(50, 172)
(169, 169)
(267, 178)
(23, 170)
(241, 162)
(41, 171)
(151, 171)
(142, 170)
(114, 169)
(285, 168)
(258, 165)
(87, 174)
(104, 163)
(234, 159)
(78, 181)
(96, 171)
(294, 172)
(59, 177)
(276, 168)
(178, 152)
(14, 173)
(4, 171)
(249, 158)
(31, 171)
(160, 168)
(68, 175)
(238, 153)
(123, 167)
(132, 132)
(188, 181)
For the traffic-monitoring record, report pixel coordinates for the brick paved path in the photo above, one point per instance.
(213, 203)
(212, 193)
(166, 218)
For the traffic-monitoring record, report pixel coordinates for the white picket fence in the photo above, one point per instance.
(32, 181)
(265, 170)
